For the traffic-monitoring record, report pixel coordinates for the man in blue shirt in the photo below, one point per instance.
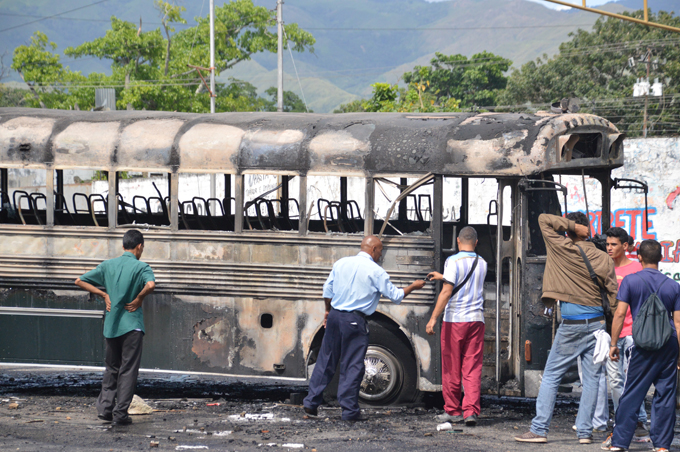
(351, 293)
(658, 367)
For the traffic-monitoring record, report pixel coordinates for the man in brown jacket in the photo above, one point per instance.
(566, 278)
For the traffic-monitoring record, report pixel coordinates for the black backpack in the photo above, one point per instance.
(651, 326)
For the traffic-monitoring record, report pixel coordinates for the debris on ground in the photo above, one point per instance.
(139, 406)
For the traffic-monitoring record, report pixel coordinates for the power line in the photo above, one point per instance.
(54, 15)
(82, 19)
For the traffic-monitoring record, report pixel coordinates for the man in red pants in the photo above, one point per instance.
(462, 302)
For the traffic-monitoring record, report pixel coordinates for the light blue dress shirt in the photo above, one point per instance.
(356, 283)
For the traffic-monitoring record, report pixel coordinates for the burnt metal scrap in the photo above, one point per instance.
(486, 144)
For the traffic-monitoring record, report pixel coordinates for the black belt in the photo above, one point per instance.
(582, 321)
(352, 312)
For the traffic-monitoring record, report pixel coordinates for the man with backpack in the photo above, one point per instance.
(652, 298)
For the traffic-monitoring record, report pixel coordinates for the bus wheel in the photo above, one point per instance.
(391, 373)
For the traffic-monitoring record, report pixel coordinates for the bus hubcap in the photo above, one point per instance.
(382, 374)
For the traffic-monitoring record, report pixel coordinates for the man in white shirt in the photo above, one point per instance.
(462, 333)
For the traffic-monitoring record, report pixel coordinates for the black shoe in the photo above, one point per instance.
(124, 421)
(312, 412)
(105, 417)
(471, 420)
(359, 418)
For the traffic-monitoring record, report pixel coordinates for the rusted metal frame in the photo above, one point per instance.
(174, 201)
(199, 69)
(49, 197)
(238, 196)
(227, 195)
(303, 221)
(438, 220)
(369, 203)
(644, 21)
(464, 203)
(411, 188)
(112, 211)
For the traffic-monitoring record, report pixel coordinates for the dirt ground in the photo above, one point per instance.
(55, 411)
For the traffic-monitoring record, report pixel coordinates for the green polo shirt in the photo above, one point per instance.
(123, 278)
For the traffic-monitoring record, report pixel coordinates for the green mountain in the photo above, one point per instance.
(359, 42)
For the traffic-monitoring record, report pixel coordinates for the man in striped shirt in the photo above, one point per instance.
(462, 332)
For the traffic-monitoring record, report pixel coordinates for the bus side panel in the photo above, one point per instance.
(31, 333)
(536, 327)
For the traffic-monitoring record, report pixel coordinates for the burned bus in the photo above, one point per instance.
(244, 215)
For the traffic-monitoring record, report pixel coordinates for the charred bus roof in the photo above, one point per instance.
(456, 144)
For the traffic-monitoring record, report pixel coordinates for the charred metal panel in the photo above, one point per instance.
(86, 145)
(343, 150)
(23, 141)
(147, 144)
(221, 144)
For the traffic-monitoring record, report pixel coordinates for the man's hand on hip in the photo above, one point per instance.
(132, 307)
(107, 300)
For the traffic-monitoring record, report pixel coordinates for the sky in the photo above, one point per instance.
(555, 5)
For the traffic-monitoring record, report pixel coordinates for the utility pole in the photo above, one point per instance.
(212, 56)
(213, 179)
(649, 58)
(279, 28)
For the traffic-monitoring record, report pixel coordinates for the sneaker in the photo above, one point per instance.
(471, 420)
(641, 430)
(600, 429)
(531, 437)
(105, 417)
(311, 412)
(660, 449)
(587, 440)
(607, 445)
(446, 417)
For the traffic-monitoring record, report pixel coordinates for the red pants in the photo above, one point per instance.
(462, 359)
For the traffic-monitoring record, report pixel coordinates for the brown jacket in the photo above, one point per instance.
(566, 276)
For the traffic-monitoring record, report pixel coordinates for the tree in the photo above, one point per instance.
(291, 101)
(151, 71)
(417, 98)
(474, 82)
(594, 67)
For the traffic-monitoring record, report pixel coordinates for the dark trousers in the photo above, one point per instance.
(346, 342)
(123, 355)
(647, 368)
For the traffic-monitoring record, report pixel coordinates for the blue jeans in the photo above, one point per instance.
(571, 341)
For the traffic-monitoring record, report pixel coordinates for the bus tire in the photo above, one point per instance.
(391, 374)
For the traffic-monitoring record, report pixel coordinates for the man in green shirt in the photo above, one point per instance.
(127, 281)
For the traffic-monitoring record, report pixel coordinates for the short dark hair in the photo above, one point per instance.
(631, 241)
(618, 233)
(650, 251)
(132, 238)
(578, 218)
(468, 235)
